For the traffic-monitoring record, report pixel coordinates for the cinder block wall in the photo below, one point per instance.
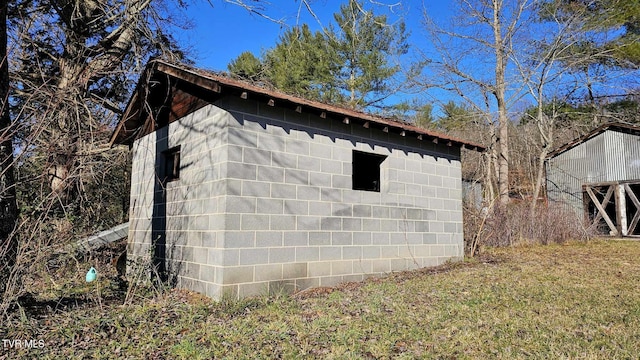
(273, 207)
(192, 210)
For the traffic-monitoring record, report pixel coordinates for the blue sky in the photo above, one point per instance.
(222, 31)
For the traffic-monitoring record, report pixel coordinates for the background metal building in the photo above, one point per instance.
(610, 154)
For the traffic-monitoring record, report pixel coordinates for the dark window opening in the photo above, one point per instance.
(171, 164)
(366, 171)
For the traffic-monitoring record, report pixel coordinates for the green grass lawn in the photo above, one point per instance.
(580, 300)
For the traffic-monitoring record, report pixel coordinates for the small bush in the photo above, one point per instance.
(516, 224)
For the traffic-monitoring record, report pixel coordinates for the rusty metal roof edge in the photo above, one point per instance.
(174, 69)
(616, 126)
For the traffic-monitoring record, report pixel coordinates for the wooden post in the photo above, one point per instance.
(636, 214)
(585, 205)
(621, 209)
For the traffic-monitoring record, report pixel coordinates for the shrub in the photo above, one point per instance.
(516, 224)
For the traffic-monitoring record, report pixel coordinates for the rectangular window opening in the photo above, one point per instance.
(171, 164)
(366, 171)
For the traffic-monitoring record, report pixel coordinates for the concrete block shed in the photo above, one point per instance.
(244, 190)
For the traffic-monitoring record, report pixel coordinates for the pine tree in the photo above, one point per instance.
(366, 45)
(303, 63)
(611, 28)
(246, 66)
(74, 64)
(350, 64)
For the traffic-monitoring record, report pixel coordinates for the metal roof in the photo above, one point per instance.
(133, 121)
(614, 126)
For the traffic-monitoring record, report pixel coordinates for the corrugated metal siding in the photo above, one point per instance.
(614, 156)
(472, 193)
(632, 156)
(610, 156)
(569, 170)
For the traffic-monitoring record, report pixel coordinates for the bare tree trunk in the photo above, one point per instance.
(503, 161)
(492, 162)
(545, 128)
(490, 191)
(539, 177)
(77, 73)
(8, 204)
(499, 93)
(487, 28)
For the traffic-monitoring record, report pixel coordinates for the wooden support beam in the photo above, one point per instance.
(636, 215)
(603, 204)
(602, 214)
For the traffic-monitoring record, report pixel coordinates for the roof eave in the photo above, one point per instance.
(216, 83)
(134, 103)
(616, 126)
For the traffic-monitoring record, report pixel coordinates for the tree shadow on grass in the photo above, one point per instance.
(114, 292)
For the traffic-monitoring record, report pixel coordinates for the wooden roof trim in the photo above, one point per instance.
(126, 117)
(199, 77)
(217, 83)
(190, 77)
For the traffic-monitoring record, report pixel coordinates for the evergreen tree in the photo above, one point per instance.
(73, 65)
(302, 63)
(349, 64)
(456, 116)
(71, 68)
(366, 45)
(247, 66)
(424, 116)
(611, 29)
